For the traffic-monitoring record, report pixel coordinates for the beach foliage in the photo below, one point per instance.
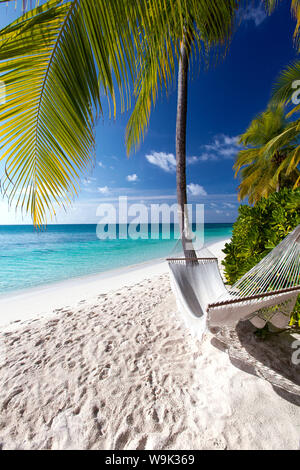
(271, 156)
(258, 230)
(264, 165)
(286, 93)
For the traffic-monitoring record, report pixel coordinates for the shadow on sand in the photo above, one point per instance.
(270, 359)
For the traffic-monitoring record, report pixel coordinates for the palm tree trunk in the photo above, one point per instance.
(187, 245)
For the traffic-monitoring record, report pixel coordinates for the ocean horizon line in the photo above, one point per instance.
(96, 223)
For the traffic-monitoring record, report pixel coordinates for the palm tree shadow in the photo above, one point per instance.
(270, 359)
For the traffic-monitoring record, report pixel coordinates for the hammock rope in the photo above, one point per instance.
(279, 270)
(268, 292)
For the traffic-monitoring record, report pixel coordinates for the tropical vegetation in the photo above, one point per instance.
(258, 230)
(271, 157)
(268, 167)
(285, 94)
(264, 165)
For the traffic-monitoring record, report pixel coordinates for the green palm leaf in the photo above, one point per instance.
(46, 131)
(286, 85)
(53, 61)
(204, 24)
(269, 158)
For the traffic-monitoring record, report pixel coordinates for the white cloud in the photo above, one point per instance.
(196, 190)
(229, 205)
(101, 165)
(132, 178)
(223, 147)
(192, 160)
(104, 190)
(165, 161)
(88, 181)
(207, 157)
(255, 13)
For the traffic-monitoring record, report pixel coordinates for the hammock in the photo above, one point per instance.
(267, 293)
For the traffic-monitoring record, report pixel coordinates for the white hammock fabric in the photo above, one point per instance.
(267, 293)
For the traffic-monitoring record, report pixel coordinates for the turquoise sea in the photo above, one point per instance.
(30, 258)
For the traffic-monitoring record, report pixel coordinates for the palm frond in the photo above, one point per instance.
(286, 86)
(294, 162)
(30, 137)
(270, 5)
(286, 138)
(269, 157)
(288, 83)
(53, 60)
(295, 7)
(204, 24)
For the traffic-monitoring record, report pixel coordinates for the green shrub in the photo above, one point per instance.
(258, 230)
(295, 319)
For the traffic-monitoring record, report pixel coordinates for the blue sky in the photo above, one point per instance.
(222, 102)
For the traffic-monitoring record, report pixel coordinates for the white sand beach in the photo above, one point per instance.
(105, 363)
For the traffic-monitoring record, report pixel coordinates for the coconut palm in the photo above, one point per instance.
(191, 36)
(263, 167)
(286, 93)
(56, 60)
